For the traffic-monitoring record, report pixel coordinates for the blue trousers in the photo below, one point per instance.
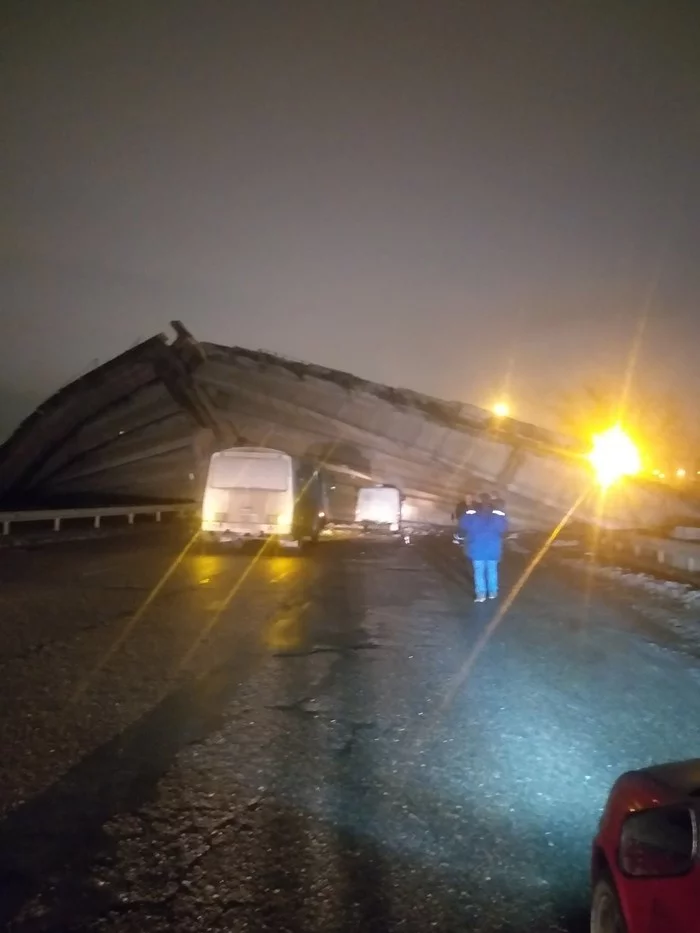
(485, 578)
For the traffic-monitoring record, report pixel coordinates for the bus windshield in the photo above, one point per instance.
(248, 471)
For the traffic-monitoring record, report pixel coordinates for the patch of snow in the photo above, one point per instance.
(669, 589)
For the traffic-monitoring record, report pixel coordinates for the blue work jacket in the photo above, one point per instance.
(483, 532)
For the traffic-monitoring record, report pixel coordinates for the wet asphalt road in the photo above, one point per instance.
(232, 743)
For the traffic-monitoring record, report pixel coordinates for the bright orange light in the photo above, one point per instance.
(501, 409)
(614, 455)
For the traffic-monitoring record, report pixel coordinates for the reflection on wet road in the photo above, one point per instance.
(266, 747)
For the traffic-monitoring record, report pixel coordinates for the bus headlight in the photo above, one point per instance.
(208, 512)
(284, 521)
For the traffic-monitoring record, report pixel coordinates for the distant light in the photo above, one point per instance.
(614, 455)
(656, 472)
(501, 409)
(680, 473)
(662, 476)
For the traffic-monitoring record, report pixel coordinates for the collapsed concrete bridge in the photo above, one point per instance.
(141, 428)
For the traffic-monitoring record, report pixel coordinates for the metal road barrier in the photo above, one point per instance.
(686, 533)
(57, 516)
(663, 552)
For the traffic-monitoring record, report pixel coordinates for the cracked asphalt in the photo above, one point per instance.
(251, 743)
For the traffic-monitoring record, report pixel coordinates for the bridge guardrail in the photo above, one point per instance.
(57, 516)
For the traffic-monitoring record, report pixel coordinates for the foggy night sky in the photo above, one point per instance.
(439, 195)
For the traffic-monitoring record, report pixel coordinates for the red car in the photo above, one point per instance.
(645, 868)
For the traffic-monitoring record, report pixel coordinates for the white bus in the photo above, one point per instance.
(256, 493)
(379, 507)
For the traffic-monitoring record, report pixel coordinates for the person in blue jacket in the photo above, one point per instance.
(484, 529)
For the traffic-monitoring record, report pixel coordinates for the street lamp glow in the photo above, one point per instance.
(614, 455)
(501, 409)
(680, 473)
